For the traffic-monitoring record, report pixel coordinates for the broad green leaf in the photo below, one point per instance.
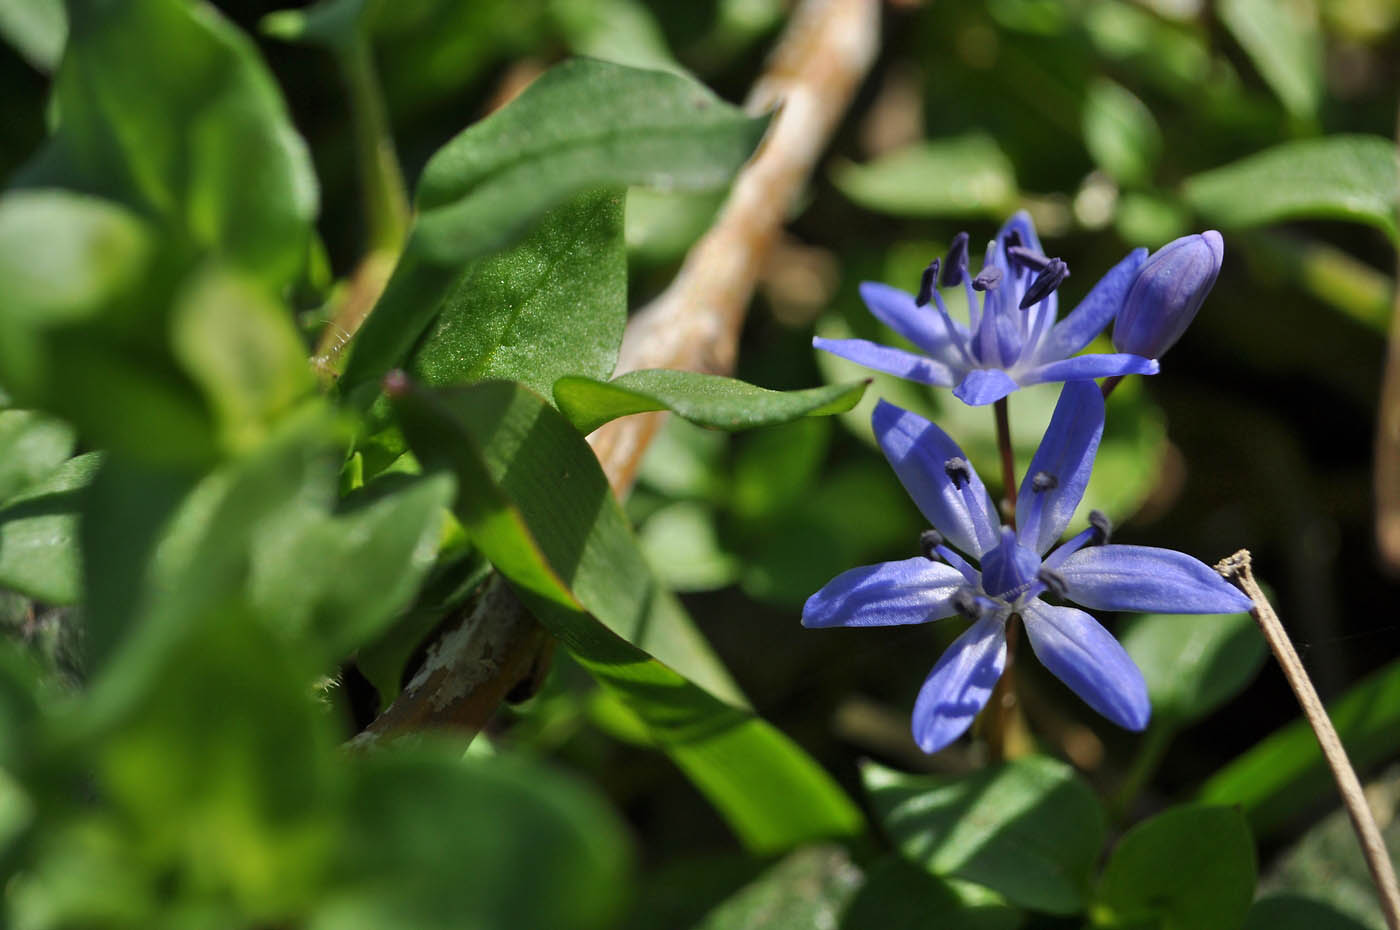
(37, 28)
(682, 546)
(1345, 177)
(621, 31)
(167, 107)
(1030, 830)
(438, 842)
(585, 124)
(1120, 132)
(1285, 42)
(1194, 663)
(775, 468)
(1295, 912)
(552, 305)
(39, 551)
(1284, 773)
(960, 176)
(707, 400)
(899, 895)
(535, 502)
(1189, 868)
(242, 350)
(809, 888)
(31, 447)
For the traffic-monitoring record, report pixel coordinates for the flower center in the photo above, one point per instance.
(1009, 569)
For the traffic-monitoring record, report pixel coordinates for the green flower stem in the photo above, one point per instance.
(381, 179)
(1151, 751)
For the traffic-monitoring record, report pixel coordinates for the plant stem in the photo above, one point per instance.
(381, 180)
(1109, 384)
(1008, 462)
(1149, 756)
(1238, 569)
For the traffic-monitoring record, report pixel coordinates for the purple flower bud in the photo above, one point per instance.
(1167, 293)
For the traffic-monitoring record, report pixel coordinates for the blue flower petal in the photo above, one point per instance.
(889, 594)
(1087, 367)
(1066, 457)
(984, 385)
(1148, 579)
(889, 360)
(960, 684)
(919, 452)
(1094, 312)
(922, 326)
(1086, 657)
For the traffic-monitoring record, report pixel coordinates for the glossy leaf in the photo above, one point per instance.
(1285, 772)
(37, 28)
(552, 305)
(31, 447)
(167, 107)
(1193, 663)
(960, 176)
(39, 552)
(1030, 830)
(707, 400)
(1189, 868)
(899, 895)
(437, 842)
(1285, 42)
(585, 124)
(1339, 177)
(537, 505)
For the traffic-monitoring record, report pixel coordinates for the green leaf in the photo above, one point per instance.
(1189, 868)
(898, 895)
(1030, 830)
(438, 841)
(809, 888)
(1194, 663)
(960, 176)
(553, 305)
(1295, 912)
(1285, 42)
(682, 545)
(39, 552)
(31, 447)
(1345, 177)
(775, 468)
(1120, 132)
(536, 503)
(707, 400)
(584, 124)
(168, 108)
(37, 28)
(1284, 773)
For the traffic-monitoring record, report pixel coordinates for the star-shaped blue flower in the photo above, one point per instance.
(1006, 572)
(1012, 338)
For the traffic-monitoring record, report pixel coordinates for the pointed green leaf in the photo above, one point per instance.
(1120, 132)
(809, 888)
(31, 447)
(1194, 663)
(1285, 42)
(536, 503)
(708, 400)
(39, 553)
(1189, 868)
(1338, 177)
(1030, 830)
(584, 124)
(899, 895)
(960, 176)
(552, 305)
(37, 28)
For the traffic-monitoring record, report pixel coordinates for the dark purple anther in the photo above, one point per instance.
(926, 283)
(1103, 529)
(1043, 481)
(1052, 580)
(1051, 277)
(929, 541)
(958, 471)
(955, 267)
(987, 279)
(1026, 258)
(965, 603)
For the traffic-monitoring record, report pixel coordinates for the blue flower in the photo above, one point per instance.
(974, 566)
(1167, 293)
(1012, 338)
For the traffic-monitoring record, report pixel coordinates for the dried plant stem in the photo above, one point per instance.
(815, 69)
(1004, 726)
(1237, 568)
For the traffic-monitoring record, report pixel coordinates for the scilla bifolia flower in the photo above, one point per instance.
(1012, 338)
(974, 566)
(1167, 293)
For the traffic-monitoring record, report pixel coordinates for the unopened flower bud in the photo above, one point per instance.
(1167, 293)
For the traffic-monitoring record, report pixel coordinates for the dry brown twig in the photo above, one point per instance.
(814, 72)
